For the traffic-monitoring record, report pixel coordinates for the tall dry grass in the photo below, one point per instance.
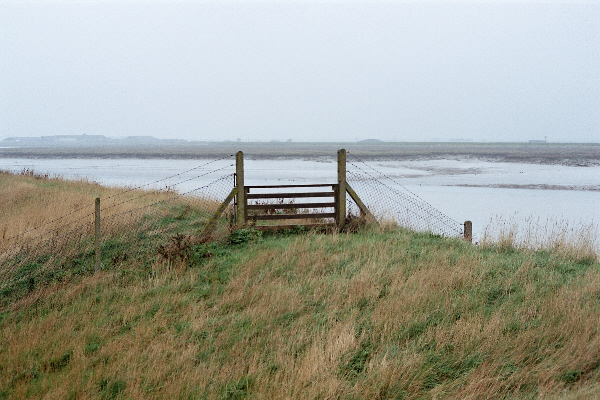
(36, 208)
(374, 315)
(33, 205)
(562, 236)
(384, 313)
(48, 226)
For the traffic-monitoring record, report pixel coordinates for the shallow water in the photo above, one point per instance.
(474, 190)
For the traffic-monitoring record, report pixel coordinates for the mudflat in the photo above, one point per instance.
(574, 154)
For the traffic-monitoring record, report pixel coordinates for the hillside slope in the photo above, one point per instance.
(383, 313)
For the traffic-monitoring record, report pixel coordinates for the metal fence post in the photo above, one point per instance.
(241, 193)
(341, 197)
(97, 235)
(468, 232)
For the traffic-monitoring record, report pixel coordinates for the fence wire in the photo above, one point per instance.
(387, 199)
(167, 215)
(151, 218)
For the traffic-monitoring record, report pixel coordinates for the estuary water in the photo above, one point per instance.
(533, 199)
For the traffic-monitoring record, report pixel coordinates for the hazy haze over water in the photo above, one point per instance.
(302, 70)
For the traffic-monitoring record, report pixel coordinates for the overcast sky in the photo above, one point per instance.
(302, 70)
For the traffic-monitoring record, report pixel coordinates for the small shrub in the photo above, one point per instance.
(90, 348)
(60, 363)
(177, 249)
(357, 361)
(244, 235)
(238, 390)
(571, 376)
(93, 345)
(354, 223)
(111, 391)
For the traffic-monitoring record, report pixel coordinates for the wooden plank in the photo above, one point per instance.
(468, 231)
(290, 186)
(341, 192)
(245, 204)
(291, 216)
(98, 264)
(239, 177)
(363, 209)
(212, 222)
(275, 206)
(287, 226)
(290, 195)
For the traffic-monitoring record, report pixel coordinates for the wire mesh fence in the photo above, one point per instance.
(387, 199)
(165, 213)
(165, 220)
(167, 216)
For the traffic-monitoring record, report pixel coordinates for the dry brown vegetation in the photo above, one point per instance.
(48, 228)
(382, 313)
(575, 241)
(30, 201)
(33, 205)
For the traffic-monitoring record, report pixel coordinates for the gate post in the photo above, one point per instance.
(341, 196)
(241, 193)
(468, 231)
(98, 260)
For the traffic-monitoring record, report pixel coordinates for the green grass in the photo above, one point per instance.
(378, 314)
(382, 313)
(133, 246)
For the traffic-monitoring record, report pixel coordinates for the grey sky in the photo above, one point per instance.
(304, 70)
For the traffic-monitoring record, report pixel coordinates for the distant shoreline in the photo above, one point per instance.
(534, 187)
(571, 154)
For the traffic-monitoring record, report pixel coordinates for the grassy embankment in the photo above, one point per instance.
(383, 313)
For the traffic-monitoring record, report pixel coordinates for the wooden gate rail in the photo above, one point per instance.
(241, 193)
(289, 195)
(269, 210)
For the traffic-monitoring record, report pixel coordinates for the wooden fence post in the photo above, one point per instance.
(97, 235)
(241, 193)
(468, 231)
(341, 197)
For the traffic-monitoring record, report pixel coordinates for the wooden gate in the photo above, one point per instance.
(269, 205)
(267, 210)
